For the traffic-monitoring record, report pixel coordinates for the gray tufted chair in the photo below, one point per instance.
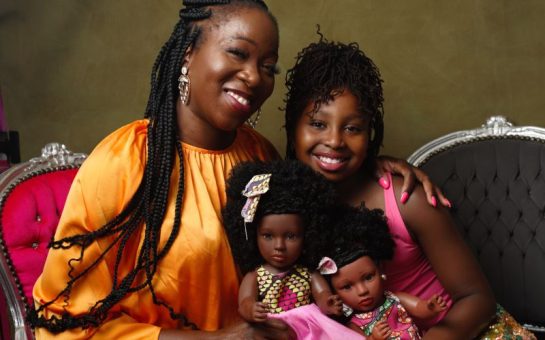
(495, 179)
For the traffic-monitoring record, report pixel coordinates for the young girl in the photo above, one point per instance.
(334, 124)
(273, 210)
(359, 243)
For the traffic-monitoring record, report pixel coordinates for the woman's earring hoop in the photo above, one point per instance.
(183, 85)
(253, 122)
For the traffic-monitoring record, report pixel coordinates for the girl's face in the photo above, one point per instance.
(334, 140)
(359, 285)
(232, 71)
(280, 240)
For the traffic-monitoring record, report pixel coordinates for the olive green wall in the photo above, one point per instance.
(74, 70)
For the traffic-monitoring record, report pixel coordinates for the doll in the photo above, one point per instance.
(360, 241)
(276, 214)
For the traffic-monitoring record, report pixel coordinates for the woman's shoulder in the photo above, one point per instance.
(122, 153)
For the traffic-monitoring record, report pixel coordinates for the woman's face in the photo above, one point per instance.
(280, 240)
(231, 71)
(359, 285)
(334, 140)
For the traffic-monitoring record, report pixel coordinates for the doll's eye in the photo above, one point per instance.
(266, 236)
(291, 236)
(346, 287)
(369, 277)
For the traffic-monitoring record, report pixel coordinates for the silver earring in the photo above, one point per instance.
(253, 122)
(183, 85)
(383, 276)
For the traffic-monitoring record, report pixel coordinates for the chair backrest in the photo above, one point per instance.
(495, 178)
(32, 196)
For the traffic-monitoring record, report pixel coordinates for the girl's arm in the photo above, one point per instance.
(329, 303)
(249, 308)
(419, 308)
(473, 302)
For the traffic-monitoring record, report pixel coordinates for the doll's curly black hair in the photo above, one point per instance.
(293, 188)
(358, 232)
(322, 71)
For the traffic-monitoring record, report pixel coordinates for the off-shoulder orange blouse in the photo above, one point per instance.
(197, 277)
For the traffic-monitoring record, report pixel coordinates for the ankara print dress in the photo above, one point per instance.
(284, 291)
(401, 324)
(289, 298)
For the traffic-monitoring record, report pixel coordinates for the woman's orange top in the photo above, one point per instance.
(197, 277)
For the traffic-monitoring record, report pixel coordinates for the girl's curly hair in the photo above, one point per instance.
(294, 188)
(323, 70)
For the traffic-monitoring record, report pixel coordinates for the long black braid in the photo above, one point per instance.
(323, 70)
(147, 208)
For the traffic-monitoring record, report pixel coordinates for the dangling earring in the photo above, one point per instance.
(383, 277)
(253, 122)
(183, 85)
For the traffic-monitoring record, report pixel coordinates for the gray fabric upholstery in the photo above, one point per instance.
(497, 187)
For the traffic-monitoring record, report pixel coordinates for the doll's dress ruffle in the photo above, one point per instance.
(309, 323)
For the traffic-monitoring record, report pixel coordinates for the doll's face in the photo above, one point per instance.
(280, 240)
(359, 285)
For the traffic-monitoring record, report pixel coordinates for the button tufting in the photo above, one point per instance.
(34, 245)
(38, 218)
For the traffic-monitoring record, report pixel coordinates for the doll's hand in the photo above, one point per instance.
(381, 331)
(259, 312)
(436, 304)
(334, 305)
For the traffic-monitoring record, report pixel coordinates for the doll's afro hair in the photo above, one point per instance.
(293, 188)
(358, 232)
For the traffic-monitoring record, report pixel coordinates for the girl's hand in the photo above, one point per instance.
(259, 312)
(409, 173)
(381, 331)
(334, 305)
(436, 304)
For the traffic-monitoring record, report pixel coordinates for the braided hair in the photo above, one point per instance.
(294, 188)
(147, 208)
(325, 69)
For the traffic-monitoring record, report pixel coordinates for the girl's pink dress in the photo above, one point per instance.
(288, 296)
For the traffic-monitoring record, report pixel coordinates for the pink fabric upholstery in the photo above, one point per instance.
(29, 219)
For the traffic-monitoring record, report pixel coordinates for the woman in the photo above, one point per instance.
(140, 251)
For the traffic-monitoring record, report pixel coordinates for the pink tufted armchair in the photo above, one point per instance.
(32, 196)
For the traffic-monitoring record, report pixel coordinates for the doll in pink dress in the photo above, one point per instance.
(276, 215)
(360, 241)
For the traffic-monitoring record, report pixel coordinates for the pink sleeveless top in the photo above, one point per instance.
(409, 270)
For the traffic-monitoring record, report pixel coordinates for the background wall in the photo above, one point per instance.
(73, 70)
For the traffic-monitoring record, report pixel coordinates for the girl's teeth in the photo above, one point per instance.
(239, 99)
(330, 160)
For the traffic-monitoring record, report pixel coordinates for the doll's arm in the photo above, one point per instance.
(328, 302)
(422, 309)
(249, 308)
